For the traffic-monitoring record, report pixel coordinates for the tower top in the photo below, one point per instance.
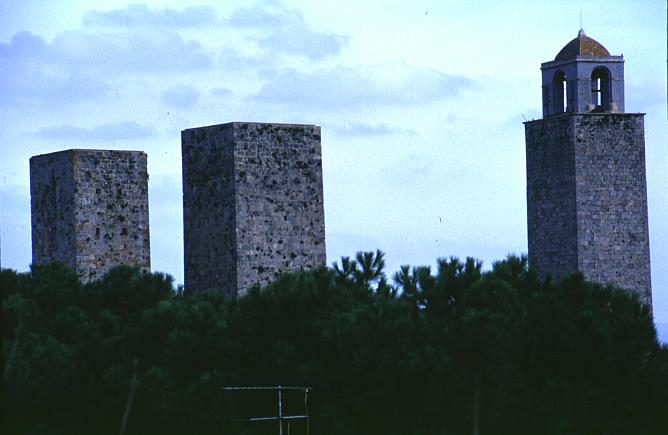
(582, 45)
(583, 77)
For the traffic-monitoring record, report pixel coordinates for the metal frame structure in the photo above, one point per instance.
(280, 417)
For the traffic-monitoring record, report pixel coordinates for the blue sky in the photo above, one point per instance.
(421, 106)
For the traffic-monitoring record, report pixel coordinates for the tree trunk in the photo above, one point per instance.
(476, 404)
(12, 355)
(131, 396)
(7, 367)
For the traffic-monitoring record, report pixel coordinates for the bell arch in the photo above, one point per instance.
(600, 88)
(560, 91)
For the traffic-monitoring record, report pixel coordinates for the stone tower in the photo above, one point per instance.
(252, 204)
(586, 188)
(90, 210)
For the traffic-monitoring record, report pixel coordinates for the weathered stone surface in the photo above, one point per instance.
(252, 204)
(587, 199)
(90, 210)
(551, 205)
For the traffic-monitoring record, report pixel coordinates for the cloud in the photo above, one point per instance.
(285, 31)
(29, 73)
(304, 41)
(362, 129)
(235, 61)
(24, 45)
(136, 15)
(221, 92)
(273, 16)
(80, 66)
(391, 83)
(180, 97)
(103, 132)
(130, 52)
(48, 89)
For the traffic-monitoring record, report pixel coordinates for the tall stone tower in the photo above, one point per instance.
(252, 204)
(90, 210)
(586, 188)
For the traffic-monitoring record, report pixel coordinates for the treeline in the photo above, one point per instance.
(453, 350)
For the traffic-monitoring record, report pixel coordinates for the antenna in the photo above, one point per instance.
(580, 19)
(280, 417)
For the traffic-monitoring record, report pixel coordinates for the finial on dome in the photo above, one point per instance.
(581, 33)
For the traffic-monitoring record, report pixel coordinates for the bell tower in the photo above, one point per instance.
(583, 77)
(586, 186)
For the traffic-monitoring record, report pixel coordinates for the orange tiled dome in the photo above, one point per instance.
(583, 45)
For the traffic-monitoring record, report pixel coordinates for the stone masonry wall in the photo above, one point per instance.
(104, 216)
(52, 209)
(209, 209)
(613, 238)
(551, 196)
(586, 185)
(253, 204)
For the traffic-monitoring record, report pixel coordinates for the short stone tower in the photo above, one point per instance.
(90, 210)
(252, 204)
(586, 188)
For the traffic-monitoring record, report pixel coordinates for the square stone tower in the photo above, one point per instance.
(586, 188)
(90, 210)
(252, 204)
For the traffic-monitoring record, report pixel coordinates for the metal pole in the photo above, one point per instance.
(280, 411)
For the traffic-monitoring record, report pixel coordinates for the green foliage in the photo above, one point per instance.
(427, 353)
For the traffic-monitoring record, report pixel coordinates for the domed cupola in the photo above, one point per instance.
(583, 45)
(583, 77)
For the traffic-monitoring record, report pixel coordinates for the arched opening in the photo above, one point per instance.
(600, 88)
(560, 92)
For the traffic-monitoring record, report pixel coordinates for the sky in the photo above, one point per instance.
(421, 105)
